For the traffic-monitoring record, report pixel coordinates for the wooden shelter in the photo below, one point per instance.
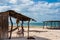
(51, 24)
(4, 22)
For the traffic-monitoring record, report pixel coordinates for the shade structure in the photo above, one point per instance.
(16, 15)
(52, 24)
(19, 16)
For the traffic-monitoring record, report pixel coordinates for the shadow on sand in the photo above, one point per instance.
(25, 38)
(53, 28)
(36, 31)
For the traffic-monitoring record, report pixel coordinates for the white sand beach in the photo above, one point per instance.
(38, 34)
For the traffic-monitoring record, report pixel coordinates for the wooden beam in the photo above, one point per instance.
(17, 22)
(43, 24)
(22, 28)
(46, 24)
(51, 24)
(18, 26)
(54, 24)
(59, 24)
(28, 28)
(11, 28)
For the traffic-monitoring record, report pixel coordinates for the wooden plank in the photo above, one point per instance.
(28, 29)
(4, 25)
(22, 29)
(11, 28)
(0, 26)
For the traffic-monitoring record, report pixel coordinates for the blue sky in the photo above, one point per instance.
(50, 1)
(40, 10)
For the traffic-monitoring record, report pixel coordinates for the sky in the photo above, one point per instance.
(40, 10)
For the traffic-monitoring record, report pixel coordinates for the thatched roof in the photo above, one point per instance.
(18, 15)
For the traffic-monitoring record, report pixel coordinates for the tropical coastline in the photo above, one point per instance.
(29, 19)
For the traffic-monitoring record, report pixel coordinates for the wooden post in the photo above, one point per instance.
(22, 28)
(28, 28)
(59, 24)
(46, 24)
(43, 24)
(17, 21)
(54, 25)
(18, 26)
(11, 28)
(51, 24)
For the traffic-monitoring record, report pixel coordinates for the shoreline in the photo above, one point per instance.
(30, 26)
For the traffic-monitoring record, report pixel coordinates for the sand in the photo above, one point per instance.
(39, 34)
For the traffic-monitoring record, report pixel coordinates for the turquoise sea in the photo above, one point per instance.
(31, 24)
(35, 24)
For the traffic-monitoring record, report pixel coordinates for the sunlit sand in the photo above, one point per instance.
(38, 33)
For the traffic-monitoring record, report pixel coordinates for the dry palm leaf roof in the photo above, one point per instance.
(17, 15)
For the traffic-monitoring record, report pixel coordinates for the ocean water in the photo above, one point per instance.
(26, 24)
(35, 24)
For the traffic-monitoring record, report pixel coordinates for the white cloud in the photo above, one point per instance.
(24, 1)
(4, 8)
(40, 9)
(34, 10)
(13, 1)
(44, 8)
